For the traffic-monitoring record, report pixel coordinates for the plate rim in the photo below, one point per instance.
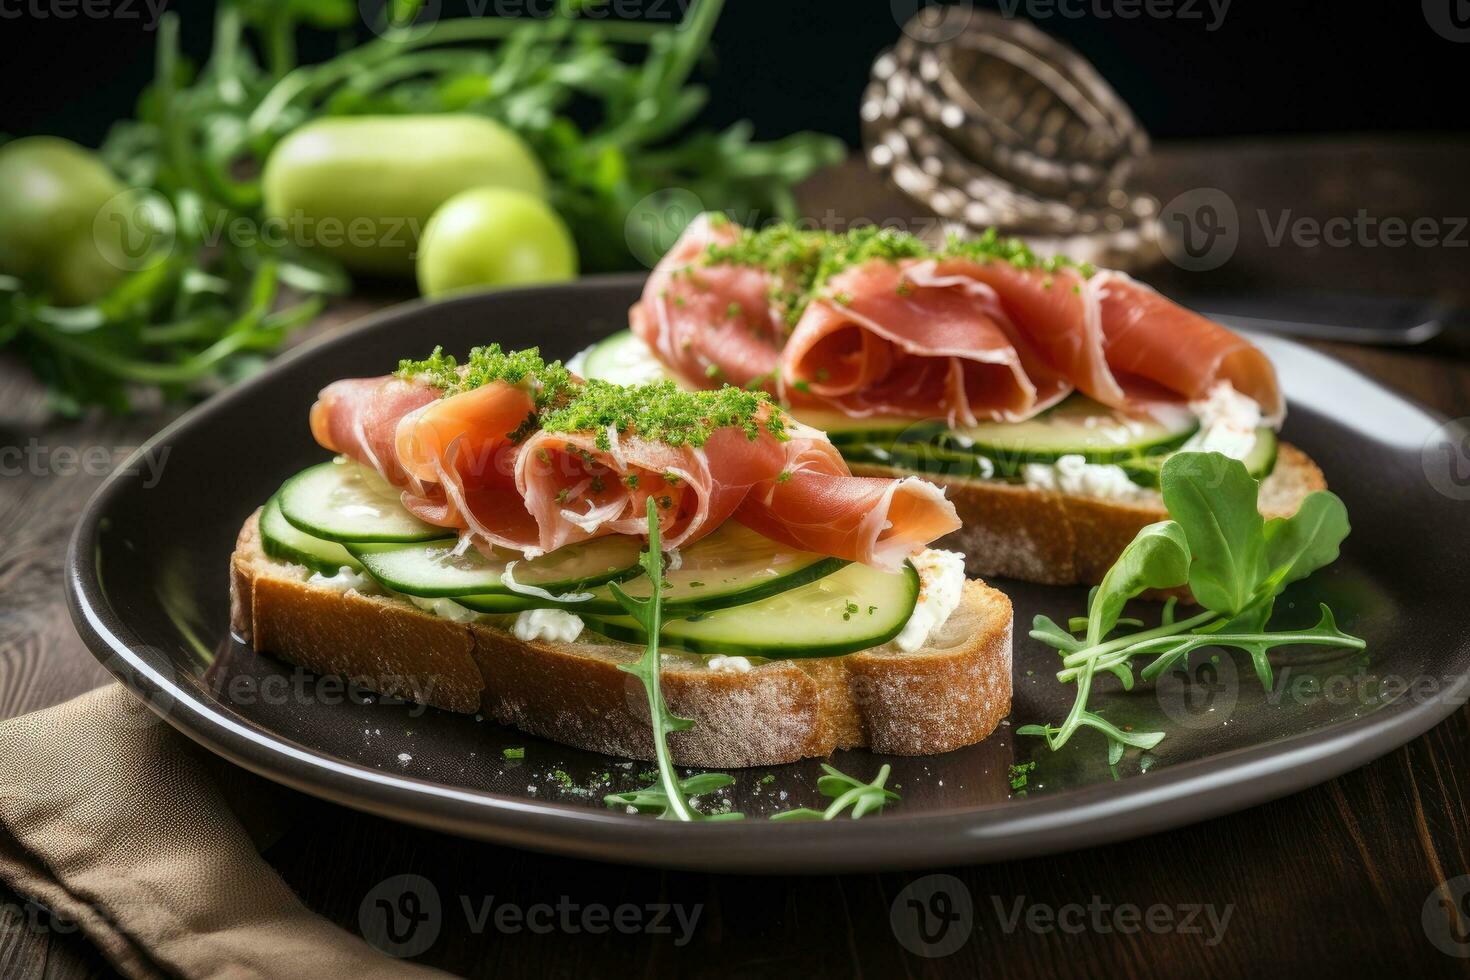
(1070, 819)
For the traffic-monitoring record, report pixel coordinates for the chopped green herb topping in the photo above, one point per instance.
(802, 261)
(660, 412)
(518, 752)
(551, 383)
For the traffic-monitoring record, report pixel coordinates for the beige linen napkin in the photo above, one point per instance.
(112, 820)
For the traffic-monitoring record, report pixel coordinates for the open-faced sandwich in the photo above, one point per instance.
(475, 545)
(1042, 394)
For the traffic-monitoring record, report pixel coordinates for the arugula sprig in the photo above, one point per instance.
(845, 791)
(1235, 563)
(608, 105)
(668, 797)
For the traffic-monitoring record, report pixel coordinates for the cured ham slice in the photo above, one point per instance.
(452, 458)
(478, 461)
(459, 455)
(816, 504)
(359, 417)
(576, 490)
(978, 331)
(1058, 315)
(709, 324)
(1153, 341)
(912, 339)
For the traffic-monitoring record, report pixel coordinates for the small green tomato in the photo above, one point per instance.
(493, 237)
(52, 192)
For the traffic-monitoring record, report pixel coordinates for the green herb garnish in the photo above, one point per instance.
(845, 791)
(1235, 563)
(661, 412)
(801, 262)
(551, 383)
(1019, 775)
(669, 796)
(514, 753)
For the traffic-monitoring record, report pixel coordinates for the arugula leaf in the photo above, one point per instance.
(845, 791)
(1213, 497)
(1298, 545)
(1235, 563)
(669, 796)
(655, 800)
(1158, 558)
(1048, 632)
(1118, 740)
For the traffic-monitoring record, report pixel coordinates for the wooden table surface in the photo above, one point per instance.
(1333, 878)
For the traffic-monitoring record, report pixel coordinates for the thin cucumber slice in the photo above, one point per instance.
(928, 458)
(733, 566)
(621, 359)
(432, 569)
(285, 542)
(1080, 426)
(345, 501)
(855, 608)
(845, 430)
(509, 602)
(1259, 462)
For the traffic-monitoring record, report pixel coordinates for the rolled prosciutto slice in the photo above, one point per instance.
(709, 324)
(1120, 342)
(358, 417)
(519, 470)
(980, 330)
(582, 485)
(816, 504)
(1154, 343)
(1057, 313)
(459, 454)
(452, 457)
(915, 339)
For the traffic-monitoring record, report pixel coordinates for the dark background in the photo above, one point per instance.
(1269, 67)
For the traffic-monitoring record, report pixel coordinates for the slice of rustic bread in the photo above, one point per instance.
(950, 694)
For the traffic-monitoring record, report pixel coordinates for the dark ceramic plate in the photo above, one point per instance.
(148, 586)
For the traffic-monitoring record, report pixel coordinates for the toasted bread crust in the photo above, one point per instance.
(1042, 536)
(940, 698)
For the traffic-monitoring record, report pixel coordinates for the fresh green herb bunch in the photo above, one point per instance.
(605, 104)
(1235, 563)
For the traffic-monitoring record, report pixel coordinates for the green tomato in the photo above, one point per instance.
(52, 193)
(493, 237)
(362, 188)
